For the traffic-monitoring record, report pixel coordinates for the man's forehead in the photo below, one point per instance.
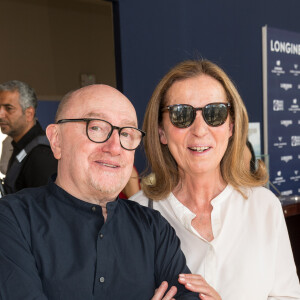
(10, 93)
(9, 96)
(122, 120)
(101, 102)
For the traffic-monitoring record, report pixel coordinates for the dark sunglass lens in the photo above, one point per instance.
(182, 116)
(215, 114)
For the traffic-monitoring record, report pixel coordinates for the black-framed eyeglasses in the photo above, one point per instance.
(99, 131)
(183, 115)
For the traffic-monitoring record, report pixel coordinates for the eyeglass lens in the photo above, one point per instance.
(100, 131)
(183, 115)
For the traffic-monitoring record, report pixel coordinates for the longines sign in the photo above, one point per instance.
(281, 75)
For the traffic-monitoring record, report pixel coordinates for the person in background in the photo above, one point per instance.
(249, 156)
(232, 230)
(74, 238)
(6, 152)
(132, 186)
(32, 161)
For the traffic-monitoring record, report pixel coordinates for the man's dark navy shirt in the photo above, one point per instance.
(55, 246)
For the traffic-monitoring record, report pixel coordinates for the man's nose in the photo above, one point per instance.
(113, 144)
(2, 111)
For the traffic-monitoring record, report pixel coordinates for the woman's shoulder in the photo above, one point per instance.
(262, 191)
(262, 196)
(140, 198)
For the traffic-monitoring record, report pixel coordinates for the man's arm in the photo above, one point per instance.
(170, 261)
(19, 278)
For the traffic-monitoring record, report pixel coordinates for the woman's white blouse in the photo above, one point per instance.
(250, 257)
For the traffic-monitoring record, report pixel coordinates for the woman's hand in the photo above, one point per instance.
(160, 292)
(196, 283)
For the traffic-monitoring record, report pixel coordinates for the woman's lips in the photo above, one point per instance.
(199, 148)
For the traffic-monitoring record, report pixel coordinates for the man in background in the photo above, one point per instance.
(32, 161)
(6, 152)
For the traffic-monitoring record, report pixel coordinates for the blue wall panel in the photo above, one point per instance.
(46, 111)
(154, 35)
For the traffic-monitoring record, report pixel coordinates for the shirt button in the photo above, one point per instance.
(101, 235)
(101, 279)
(94, 208)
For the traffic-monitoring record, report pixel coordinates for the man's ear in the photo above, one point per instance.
(30, 114)
(53, 135)
(162, 136)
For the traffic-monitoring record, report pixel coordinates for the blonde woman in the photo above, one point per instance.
(232, 229)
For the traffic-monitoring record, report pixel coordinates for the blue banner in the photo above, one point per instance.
(281, 59)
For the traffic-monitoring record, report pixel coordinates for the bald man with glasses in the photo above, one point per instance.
(74, 238)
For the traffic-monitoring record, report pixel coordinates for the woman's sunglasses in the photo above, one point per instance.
(183, 115)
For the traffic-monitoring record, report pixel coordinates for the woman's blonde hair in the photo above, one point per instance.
(233, 169)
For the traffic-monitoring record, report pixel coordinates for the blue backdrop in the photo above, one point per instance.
(151, 36)
(46, 111)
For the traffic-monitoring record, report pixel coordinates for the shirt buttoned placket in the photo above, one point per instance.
(103, 259)
(210, 265)
(209, 260)
(186, 216)
(216, 223)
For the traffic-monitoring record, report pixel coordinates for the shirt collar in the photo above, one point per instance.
(68, 199)
(182, 213)
(222, 196)
(185, 216)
